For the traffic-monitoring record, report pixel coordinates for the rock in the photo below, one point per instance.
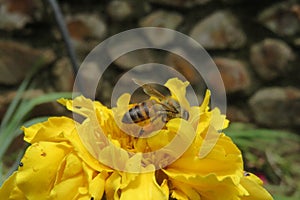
(233, 1)
(180, 3)
(17, 59)
(281, 18)
(86, 31)
(276, 106)
(220, 30)
(234, 74)
(182, 66)
(63, 75)
(162, 19)
(296, 10)
(15, 14)
(185, 68)
(135, 58)
(297, 42)
(188, 71)
(121, 10)
(89, 76)
(86, 26)
(235, 114)
(271, 57)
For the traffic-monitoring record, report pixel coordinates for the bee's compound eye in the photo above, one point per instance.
(185, 115)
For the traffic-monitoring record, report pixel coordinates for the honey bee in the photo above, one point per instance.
(157, 111)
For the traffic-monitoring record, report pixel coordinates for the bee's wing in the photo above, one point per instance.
(149, 90)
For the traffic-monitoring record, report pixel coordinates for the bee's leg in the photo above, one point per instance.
(142, 131)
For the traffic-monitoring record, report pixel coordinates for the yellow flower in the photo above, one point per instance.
(97, 156)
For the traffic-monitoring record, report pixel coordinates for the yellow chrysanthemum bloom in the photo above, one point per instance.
(95, 158)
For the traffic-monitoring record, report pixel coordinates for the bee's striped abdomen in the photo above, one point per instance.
(138, 113)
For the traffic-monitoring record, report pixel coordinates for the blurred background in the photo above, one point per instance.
(255, 45)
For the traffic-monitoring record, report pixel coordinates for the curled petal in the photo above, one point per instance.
(254, 187)
(84, 106)
(218, 121)
(40, 165)
(224, 158)
(178, 90)
(51, 130)
(70, 167)
(144, 187)
(67, 189)
(9, 189)
(114, 156)
(208, 187)
(179, 133)
(112, 186)
(184, 191)
(84, 153)
(204, 106)
(97, 185)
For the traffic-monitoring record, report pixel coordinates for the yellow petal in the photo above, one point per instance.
(179, 195)
(69, 178)
(9, 189)
(185, 191)
(133, 164)
(224, 158)
(80, 105)
(165, 187)
(178, 90)
(253, 185)
(144, 187)
(59, 129)
(209, 187)
(218, 121)
(50, 130)
(69, 167)
(159, 140)
(40, 164)
(221, 168)
(97, 185)
(179, 132)
(86, 107)
(204, 106)
(83, 197)
(83, 153)
(114, 157)
(112, 186)
(67, 189)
